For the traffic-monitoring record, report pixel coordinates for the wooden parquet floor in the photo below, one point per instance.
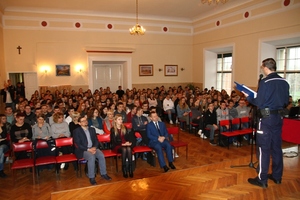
(206, 174)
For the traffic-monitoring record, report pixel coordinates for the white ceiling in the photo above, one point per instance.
(183, 10)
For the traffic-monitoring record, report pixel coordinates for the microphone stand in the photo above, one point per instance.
(254, 118)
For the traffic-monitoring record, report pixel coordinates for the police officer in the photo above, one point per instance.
(272, 97)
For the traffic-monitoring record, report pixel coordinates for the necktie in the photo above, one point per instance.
(156, 125)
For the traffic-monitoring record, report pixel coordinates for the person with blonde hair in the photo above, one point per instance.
(60, 128)
(121, 142)
(74, 123)
(183, 110)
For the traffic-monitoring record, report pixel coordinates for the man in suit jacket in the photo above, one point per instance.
(87, 147)
(158, 139)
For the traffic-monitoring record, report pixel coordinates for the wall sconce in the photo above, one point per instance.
(79, 68)
(159, 69)
(45, 69)
(182, 69)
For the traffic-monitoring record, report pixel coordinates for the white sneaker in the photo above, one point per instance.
(176, 155)
(234, 143)
(200, 132)
(203, 136)
(177, 122)
(171, 122)
(62, 165)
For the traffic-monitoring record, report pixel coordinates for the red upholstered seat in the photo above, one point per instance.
(43, 160)
(141, 149)
(65, 158)
(23, 163)
(177, 143)
(128, 125)
(105, 138)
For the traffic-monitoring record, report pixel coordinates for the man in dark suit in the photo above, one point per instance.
(87, 147)
(158, 139)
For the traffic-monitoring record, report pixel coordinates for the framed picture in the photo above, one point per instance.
(171, 70)
(146, 70)
(63, 70)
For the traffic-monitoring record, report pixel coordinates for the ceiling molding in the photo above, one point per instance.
(109, 50)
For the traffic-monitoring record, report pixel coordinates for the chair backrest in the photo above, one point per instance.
(245, 119)
(173, 130)
(41, 144)
(235, 121)
(128, 125)
(225, 122)
(23, 146)
(60, 142)
(103, 138)
(137, 135)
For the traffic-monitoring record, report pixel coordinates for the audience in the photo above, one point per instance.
(43, 116)
(4, 144)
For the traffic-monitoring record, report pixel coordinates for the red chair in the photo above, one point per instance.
(228, 133)
(178, 143)
(65, 158)
(42, 160)
(105, 138)
(245, 131)
(140, 149)
(23, 163)
(128, 125)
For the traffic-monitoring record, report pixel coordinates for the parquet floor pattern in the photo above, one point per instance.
(206, 174)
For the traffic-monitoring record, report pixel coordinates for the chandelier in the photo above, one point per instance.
(213, 1)
(137, 29)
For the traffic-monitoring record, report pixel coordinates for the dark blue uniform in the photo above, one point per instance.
(273, 93)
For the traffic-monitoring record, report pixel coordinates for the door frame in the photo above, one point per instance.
(126, 68)
(25, 72)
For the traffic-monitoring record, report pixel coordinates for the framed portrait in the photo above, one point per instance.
(63, 70)
(171, 70)
(146, 70)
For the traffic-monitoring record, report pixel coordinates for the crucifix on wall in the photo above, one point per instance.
(19, 49)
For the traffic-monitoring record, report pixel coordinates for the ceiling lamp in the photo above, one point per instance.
(137, 29)
(213, 1)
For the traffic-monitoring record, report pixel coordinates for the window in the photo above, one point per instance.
(224, 71)
(288, 66)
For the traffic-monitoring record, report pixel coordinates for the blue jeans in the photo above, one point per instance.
(91, 158)
(157, 146)
(211, 132)
(170, 112)
(3, 150)
(244, 126)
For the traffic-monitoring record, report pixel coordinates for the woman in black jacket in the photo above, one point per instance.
(121, 142)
